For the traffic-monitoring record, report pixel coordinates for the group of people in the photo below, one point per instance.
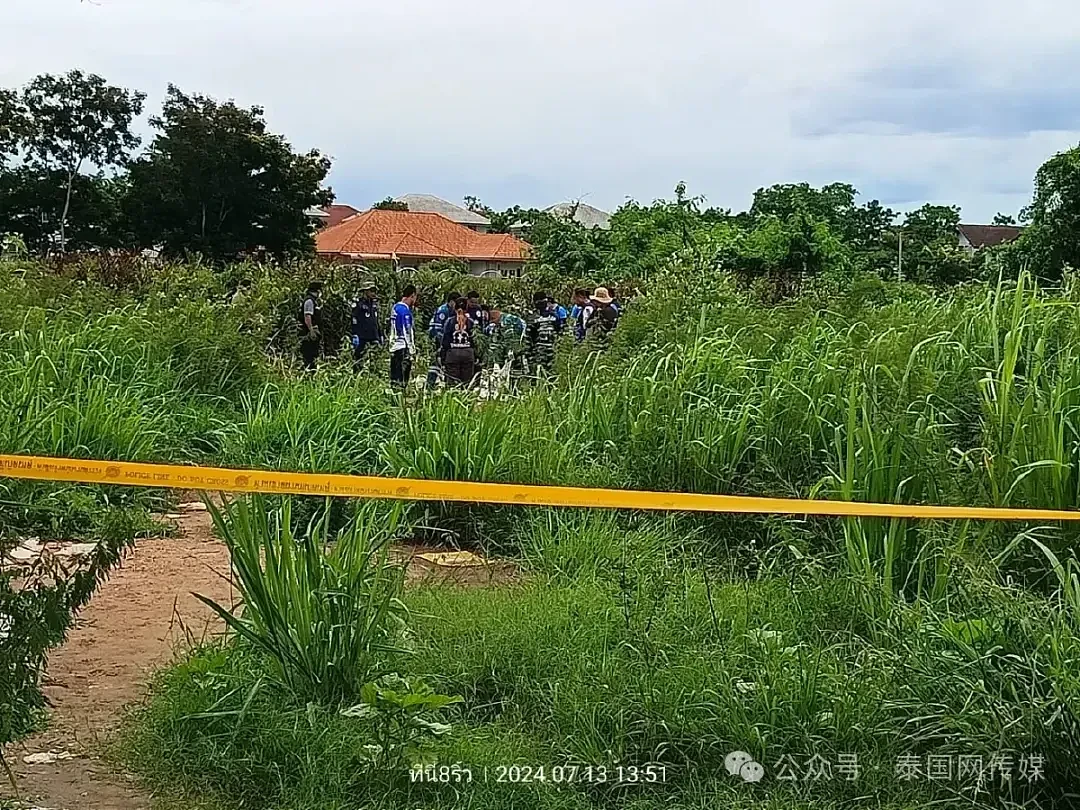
(463, 331)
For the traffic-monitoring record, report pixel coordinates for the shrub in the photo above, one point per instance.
(325, 612)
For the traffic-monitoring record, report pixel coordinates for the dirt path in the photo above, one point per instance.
(129, 628)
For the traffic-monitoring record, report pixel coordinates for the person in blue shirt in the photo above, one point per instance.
(581, 300)
(402, 339)
(559, 311)
(435, 331)
(442, 314)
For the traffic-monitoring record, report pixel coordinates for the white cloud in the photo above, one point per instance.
(529, 102)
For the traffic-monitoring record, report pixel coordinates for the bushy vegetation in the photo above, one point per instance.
(790, 235)
(629, 639)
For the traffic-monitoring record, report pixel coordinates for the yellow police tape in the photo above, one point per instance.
(221, 479)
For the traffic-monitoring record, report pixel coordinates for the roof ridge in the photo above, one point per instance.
(440, 248)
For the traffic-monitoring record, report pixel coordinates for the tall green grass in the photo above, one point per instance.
(325, 610)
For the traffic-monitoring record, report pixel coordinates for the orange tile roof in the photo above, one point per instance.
(416, 235)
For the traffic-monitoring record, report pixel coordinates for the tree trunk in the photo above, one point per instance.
(67, 207)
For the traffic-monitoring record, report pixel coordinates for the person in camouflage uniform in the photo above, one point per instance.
(505, 345)
(542, 333)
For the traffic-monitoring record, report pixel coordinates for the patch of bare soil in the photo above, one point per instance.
(129, 628)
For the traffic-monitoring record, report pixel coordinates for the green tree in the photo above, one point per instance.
(71, 122)
(390, 204)
(1049, 244)
(645, 239)
(931, 222)
(1003, 219)
(475, 205)
(215, 181)
(12, 124)
(784, 251)
(29, 200)
(567, 247)
(862, 227)
(931, 249)
(513, 217)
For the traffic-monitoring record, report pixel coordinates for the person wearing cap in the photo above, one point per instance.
(600, 317)
(310, 322)
(542, 333)
(365, 328)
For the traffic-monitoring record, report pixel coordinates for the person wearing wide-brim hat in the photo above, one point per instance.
(602, 296)
(365, 328)
(600, 317)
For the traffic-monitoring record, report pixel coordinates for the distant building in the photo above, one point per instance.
(411, 239)
(339, 212)
(317, 216)
(585, 215)
(977, 237)
(330, 215)
(428, 204)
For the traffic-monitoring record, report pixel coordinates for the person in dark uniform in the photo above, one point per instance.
(459, 347)
(435, 332)
(476, 309)
(310, 320)
(366, 328)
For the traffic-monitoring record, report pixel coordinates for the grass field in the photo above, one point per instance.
(864, 657)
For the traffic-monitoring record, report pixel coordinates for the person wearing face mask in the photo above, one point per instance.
(310, 320)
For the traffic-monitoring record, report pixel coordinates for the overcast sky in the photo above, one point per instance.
(529, 102)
